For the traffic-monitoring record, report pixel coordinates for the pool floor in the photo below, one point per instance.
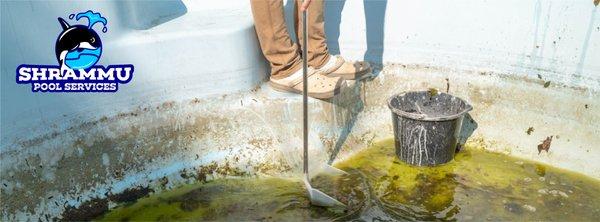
(477, 185)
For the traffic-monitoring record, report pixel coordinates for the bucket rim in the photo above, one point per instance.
(424, 118)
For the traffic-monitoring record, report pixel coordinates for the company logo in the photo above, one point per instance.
(78, 48)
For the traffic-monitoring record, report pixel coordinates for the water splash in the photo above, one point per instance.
(93, 18)
(71, 16)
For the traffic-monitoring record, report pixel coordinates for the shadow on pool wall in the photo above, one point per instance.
(352, 100)
(141, 16)
(374, 13)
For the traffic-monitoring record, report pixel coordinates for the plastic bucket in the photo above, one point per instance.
(427, 126)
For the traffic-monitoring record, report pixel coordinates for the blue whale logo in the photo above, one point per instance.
(79, 46)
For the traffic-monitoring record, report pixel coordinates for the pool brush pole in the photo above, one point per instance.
(304, 92)
(316, 196)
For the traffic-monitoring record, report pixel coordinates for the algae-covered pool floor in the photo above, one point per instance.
(477, 185)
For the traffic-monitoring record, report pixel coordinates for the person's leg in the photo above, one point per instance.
(283, 54)
(275, 42)
(318, 53)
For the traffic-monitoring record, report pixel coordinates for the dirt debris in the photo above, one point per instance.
(87, 211)
(131, 194)
(545, 145)
(433, 92)
(546, 84)
(530, 130)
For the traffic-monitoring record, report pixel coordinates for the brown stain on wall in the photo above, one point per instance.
(88, 211)
(131, 194)
(130, 151)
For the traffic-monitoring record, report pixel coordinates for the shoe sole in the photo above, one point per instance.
(325, 95)
(352, 76)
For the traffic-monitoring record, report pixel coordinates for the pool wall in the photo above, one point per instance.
(556, 39)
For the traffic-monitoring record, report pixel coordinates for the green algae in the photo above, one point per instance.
(476, 185)
(226, 199)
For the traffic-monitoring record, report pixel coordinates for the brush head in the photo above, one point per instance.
(319, 198)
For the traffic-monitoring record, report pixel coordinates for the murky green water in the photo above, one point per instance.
(477, 185)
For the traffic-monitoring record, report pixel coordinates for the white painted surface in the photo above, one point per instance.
(555, 38)
(179, 53)
(212, 49)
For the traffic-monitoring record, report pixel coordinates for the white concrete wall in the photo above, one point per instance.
(558, 39)
(179, 52)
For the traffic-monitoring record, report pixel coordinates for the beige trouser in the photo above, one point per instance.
(277, 46)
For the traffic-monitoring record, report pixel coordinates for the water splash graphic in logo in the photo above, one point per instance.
(93, 18)
(79, 46)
